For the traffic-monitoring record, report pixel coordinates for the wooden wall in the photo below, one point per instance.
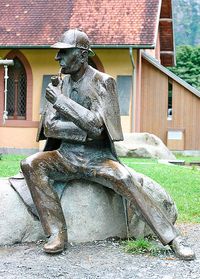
(185, 108)
(154, 98)
(186, 115)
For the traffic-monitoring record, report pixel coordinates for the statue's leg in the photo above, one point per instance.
(40, 170)
(114, 175)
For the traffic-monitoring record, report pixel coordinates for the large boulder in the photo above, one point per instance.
(143, 145)
(92, 212)
(16, 223)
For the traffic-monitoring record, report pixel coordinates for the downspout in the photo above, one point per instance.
(6, 63)
(133, 87)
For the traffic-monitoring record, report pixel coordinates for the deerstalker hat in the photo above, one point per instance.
(74, 38)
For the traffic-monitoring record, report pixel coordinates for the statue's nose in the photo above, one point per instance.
(57, 57)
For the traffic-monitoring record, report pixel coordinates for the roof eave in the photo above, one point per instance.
(173, 34)
(118, 46)
(113, 46)
(167, 19)
(23, 46)
(157, 23)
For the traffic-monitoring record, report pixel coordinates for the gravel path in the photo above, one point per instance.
(103, 259)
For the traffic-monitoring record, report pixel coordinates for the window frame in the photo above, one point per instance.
(170, 100)
(29, 97)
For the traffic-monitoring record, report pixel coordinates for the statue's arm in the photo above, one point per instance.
(88, 120)
(57, 127)
(53, 126)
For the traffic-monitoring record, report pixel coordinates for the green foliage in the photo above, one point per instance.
(186, 14)
(188, 65)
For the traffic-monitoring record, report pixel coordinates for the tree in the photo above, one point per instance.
(188, 65)
(186, 14)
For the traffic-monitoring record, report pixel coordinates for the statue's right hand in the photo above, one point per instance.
(52, 93)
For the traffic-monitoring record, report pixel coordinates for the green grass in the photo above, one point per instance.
(9, 164)
(182, 183)
(139, 246)
(143, 246)
(138, 160)
(188, 158)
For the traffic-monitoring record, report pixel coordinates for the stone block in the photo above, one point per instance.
(143, 145)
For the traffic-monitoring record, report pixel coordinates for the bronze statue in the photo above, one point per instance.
(81, 121)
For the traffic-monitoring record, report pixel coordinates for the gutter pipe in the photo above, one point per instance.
(133, 86)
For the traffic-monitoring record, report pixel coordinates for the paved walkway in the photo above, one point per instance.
(102, 260)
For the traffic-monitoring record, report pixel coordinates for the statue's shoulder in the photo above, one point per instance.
(100, 76)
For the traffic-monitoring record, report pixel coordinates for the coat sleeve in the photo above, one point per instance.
(109, 109)
(87, 120)
(58, 127)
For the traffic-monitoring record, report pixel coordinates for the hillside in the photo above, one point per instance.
(186, 22)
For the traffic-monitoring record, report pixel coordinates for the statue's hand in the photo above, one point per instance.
(52, 93)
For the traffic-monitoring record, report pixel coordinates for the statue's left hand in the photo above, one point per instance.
(52, 93)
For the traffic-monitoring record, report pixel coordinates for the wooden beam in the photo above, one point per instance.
(166, 20)
(167, 52)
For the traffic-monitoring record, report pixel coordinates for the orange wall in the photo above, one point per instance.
(115, 62)
(18, 137)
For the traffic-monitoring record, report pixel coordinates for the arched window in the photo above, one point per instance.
(17, 91)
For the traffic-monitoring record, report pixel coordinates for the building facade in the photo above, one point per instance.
(133, 41)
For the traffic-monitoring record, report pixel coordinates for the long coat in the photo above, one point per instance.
(100, 98)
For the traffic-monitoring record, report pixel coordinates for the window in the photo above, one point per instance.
(170, 93)
(46, 80)
(17, 91)
(124, 89)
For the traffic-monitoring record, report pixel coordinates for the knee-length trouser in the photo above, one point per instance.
(42, 169)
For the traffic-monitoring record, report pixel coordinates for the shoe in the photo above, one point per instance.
(182, 249)
(56, 243)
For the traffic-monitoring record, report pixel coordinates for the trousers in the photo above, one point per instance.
(42, 169)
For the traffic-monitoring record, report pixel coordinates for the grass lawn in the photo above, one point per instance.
(188, 158)
(182, 183)
(9, 164)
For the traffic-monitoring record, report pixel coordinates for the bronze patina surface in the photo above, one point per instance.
(81, 121)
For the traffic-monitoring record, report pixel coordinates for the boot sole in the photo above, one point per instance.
(55, 251)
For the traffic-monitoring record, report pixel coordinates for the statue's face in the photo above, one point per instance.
(70, 60)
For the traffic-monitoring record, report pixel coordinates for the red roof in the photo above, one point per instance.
(107, 22)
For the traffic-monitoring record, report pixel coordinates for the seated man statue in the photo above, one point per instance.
(80, 122)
